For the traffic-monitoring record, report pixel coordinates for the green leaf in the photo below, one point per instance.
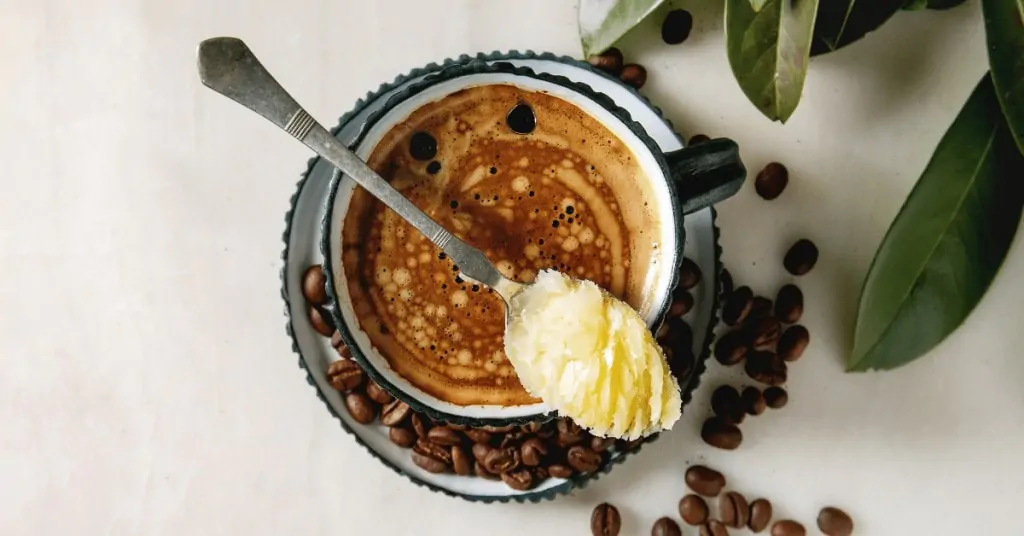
(1004, 28)
(915, 5)
(757, 4)
(603, 22)
(769, 51)
(841, 22)
(946, 243)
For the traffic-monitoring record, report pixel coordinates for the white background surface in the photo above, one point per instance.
(146, 383)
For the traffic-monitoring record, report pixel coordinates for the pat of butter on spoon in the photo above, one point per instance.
(585, 353)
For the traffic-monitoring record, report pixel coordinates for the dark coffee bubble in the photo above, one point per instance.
(454, 204)
(554, 223)
(569, 209)
(494, 170)
(434, 167)
(521, 119)
(422, 146)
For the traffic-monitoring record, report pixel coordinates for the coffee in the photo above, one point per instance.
(531, 180)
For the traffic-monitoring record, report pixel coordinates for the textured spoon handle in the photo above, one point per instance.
(227, 66)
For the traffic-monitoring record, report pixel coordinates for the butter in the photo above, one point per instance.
(591, 357)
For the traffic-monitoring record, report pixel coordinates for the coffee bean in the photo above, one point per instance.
(681, 304)
(498, 429)
(764, 332)
(560, 471)
(461, 462)
(477, 435)
(422, 146)
(737, 306)
(605, 520)
(569, 433)
(395, 413)
(733, 510)
(583, 459)
(789, 304)
(704, 480)
(760, 307)
(834, 522)
(610, 61)
(519, 480)
(336, 341)
(753, 401)
(540, 429)
(727, 282)
(345, 375)
(377, 394)
(693, 510)
(533, 451)
(771, 181)
(432, 450)
(511, 439)
(713, 527)
(721, 433)
(766, 367)
(801, 257)
(344, 351)
(480, 451)
(419, 425)
(360, 408)
(403, 437)
(732, 348)
(677, 26)
(499, 461)
(601, 444)
(633, 75)
(775, 397)
(444, 436)
(540, 474)
(788, 527)
(456, 427)
(427, 463)
(478, 470)
(320, 321)
(313, 282)
(793, 342)
(760, 515)
(665, 527)
(689, 274)
(725, 402)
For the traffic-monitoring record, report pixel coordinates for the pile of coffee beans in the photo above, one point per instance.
(611, 62)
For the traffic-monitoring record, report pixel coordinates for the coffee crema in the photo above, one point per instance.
(530, 179)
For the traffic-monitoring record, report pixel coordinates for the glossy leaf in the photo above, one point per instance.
(769, 51)
(841, 22)
(757, 4)
(947, 242)
(1004, 29)
(603, 22)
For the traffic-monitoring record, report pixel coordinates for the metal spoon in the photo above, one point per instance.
(227, 66)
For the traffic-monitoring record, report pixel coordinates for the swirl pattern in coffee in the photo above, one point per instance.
(531, 180)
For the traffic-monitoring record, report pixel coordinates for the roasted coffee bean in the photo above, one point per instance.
(693, 510)
(760, 515)
(793, 342)
(344, 351)
(727, 282)
(519, 479)
(737, 306)
(733, 510)
(403, 437)
(788, 527)
(721, 433)
(560, 471)
(760, 307)
(511, 440)
(422, 146)
(583, 459)
(677, 26)
(377, 394)
(610, 61)
(477, 435)
(499, 461)
(478, 470)
(681, 304)
(457, 427)
(767, 368)
(480, 451)
(601, 444)
(801, 257)
(689, 274)
(775, 397)
(540, 474)
(395, 413)
(535, 428)
(432, 450)
(765, 331)
(444, 436)
(789, 304)
(704, 480)
(834, 522)
(771, 181)
(633, 75)
(313, 282)
(345, 375)
(419, 425)
(461, 461)
(360, 408)
(533, 451)
(336, 341)
(605, 520)
(713, 527)
(569, 433)
(725, 402)
(427, 463)
(732, 348)
(665, 527)
(320, 321)
(498, 429)
(753, 401)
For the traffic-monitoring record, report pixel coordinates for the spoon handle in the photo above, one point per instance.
(227, 66)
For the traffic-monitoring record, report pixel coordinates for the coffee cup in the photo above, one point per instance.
(499, 155)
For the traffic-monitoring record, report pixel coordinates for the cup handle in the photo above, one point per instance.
(706, 173)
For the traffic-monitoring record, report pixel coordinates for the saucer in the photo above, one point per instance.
(302, 237)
